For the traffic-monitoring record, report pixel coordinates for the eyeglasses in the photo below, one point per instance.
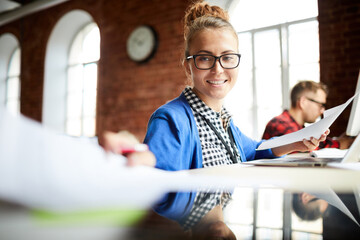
(322, 105)
(313, 200)
(206, 61)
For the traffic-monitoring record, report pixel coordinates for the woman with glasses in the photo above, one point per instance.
(195, 130)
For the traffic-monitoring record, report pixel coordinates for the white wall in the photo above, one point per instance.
(8, 44)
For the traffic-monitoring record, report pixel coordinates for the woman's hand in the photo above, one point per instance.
(302, 146)
(146, 158)
(116, 142)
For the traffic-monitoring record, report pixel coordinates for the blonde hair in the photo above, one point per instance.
(305, 86)
(200, 16)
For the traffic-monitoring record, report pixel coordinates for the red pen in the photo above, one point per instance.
(134, 148)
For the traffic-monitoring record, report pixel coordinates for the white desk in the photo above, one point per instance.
(288, 178)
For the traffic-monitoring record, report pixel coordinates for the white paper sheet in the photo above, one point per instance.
(45, 170)
(332, 198)
(314, 130)
(329, 153)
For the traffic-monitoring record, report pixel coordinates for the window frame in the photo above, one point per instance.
(56, 61)
(10, 77)
(8, 44)
(283, 31)
(80, 36)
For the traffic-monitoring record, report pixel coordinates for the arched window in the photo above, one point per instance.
(12, 99)
(73, 49)
(10, 72)
(82, 82)
(279, 43)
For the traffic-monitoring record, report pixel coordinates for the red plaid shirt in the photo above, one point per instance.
(284, 124)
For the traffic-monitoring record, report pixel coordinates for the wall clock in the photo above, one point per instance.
(142, 43)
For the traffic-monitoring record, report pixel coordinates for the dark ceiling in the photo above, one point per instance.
(10, 5)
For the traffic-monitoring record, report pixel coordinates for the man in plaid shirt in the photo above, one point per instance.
(308, 101)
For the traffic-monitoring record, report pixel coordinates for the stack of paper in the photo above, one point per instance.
(329, 153)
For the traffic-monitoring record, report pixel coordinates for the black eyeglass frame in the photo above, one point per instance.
(216, 58)
(323, 105)
(313, 200)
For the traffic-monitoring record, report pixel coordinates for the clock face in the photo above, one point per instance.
(141, 44)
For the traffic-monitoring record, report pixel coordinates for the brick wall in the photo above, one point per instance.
(339, 27)
(128, 92)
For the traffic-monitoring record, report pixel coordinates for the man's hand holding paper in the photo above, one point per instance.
(315, 130)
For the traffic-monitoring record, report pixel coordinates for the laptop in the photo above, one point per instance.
(352, 155)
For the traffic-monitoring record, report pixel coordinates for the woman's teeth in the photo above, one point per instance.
(217, 82)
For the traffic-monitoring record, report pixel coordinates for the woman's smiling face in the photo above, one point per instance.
(214, 84)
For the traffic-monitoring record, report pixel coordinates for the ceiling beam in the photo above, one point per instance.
(27, 9)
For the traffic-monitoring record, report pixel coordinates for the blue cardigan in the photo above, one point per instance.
(173, 137)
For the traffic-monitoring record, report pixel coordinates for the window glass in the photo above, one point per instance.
(279, 43)
(89, 126)
(301, 35)
(90, 73)
(91, 42)
(240, 98)
(12, 100)
(304, 61)
(242, 202)
(267, 51)
(73, 126)
(82, 82)
(267, 77)
(252, 14)
(75, 79)
(13, 85)
(14, 66)
(270, 203)
(276, 54)
(74, 105)
(76, 50)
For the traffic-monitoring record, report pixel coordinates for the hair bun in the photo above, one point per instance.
(202, 8)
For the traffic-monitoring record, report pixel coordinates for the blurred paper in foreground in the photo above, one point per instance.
(46, 170)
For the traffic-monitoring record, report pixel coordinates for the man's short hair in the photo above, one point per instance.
(304, 211)
(305, 86)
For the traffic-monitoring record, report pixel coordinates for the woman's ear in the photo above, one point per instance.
(187, 69)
